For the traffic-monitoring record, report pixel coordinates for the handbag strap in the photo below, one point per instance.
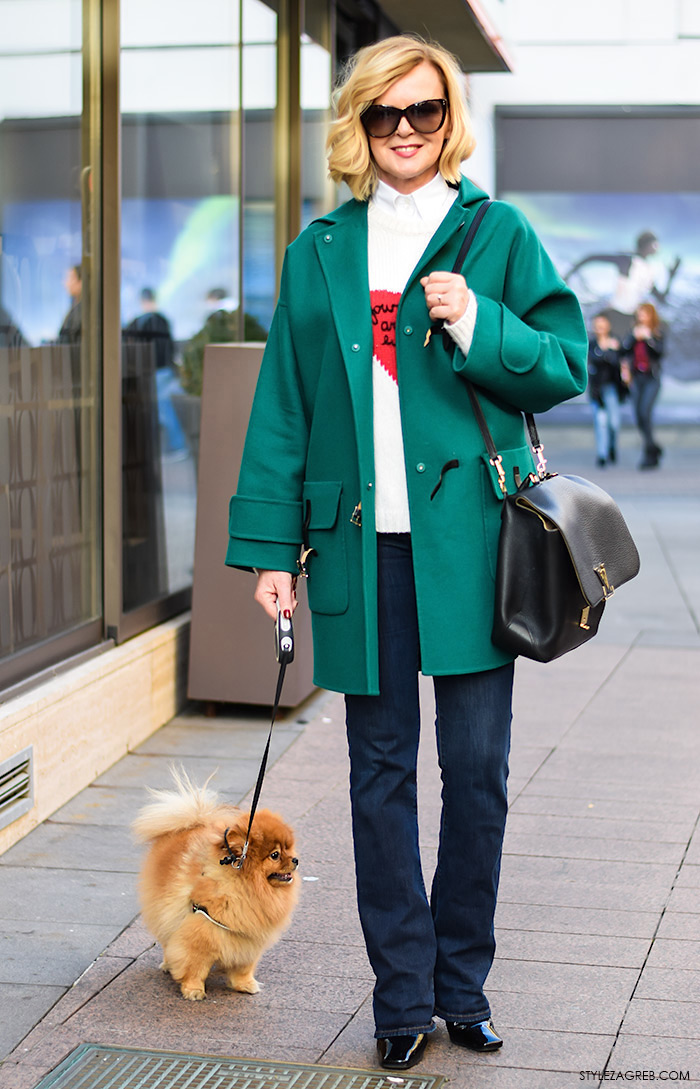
(469, 236)
(494, 456)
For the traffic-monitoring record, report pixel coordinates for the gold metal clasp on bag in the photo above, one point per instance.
(497, 463)
(301, 562)
(608, 588)
(583, 622)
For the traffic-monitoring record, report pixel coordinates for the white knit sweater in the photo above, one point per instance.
(400, 227)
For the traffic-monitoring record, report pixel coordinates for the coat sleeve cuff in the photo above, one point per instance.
(519, 345)
(264, 533)
(273, 520)
(462, 330)
(249, 555)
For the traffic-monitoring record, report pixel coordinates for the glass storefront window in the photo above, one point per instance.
(50, 558)
(317, 191)
(213, 143)
(198, 100)
(259, 95)
(180, 88)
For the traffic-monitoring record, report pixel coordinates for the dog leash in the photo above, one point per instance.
(284, 651)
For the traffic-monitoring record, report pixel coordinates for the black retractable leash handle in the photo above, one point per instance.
(284, 651)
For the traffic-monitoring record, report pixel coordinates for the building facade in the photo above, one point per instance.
(594, 134)
(155, 160)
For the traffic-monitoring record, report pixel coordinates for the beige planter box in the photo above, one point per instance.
(232, 657)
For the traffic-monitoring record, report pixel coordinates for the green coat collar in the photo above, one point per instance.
(341, 245)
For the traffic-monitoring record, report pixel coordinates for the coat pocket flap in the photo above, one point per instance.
(321, 500)
(520, 459)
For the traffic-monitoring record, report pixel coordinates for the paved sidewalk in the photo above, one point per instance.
(598, 961)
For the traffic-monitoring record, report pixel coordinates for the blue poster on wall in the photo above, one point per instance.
(180, 249)
(617, 250)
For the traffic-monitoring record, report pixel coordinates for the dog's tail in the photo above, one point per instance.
(174, 810)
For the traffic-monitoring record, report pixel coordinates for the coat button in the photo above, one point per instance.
(408, 329)
(369, 486)
(356, 347)
(420, 467)
(328, 238)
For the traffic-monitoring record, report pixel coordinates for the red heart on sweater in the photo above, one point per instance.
(385, 305)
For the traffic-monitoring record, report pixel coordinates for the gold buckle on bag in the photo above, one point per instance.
(497, 463)
(608, 588)
(301, 562)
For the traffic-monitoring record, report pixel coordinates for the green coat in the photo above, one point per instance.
(309, 448)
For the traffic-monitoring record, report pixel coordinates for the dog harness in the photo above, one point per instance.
(199, 909)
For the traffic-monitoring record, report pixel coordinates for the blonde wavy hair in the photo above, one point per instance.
(367, 75)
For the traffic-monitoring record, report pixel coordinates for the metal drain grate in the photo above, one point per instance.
(92, 1066)
(16, 786)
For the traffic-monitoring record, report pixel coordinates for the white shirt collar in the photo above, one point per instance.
(428, 202)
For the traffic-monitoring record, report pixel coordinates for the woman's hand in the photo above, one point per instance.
(642, 332)
(276, 590)
(446, 296)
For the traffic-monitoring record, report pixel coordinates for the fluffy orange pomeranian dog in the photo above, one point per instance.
(196, 902)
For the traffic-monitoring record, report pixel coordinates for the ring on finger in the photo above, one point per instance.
(439, 299)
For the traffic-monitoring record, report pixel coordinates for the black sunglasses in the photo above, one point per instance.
(425, 117)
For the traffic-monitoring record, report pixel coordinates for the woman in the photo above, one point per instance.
(363, 448)
(642, 350)
(605, 386)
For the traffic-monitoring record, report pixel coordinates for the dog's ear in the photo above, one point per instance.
(270, 833)
(231, 843)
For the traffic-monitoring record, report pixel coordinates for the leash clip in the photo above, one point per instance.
(232, 859)
(237, 863)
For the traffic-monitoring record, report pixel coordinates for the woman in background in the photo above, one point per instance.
(605, 388)
(642, 350)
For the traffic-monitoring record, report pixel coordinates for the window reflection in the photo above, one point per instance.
(181, 266)
(49, 465)
(259, 89)
(198, 249)
(317, 189)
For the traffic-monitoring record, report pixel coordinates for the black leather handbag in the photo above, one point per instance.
(563, 549)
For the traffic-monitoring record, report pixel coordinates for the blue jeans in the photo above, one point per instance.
(606, 420)
(645, 390)
(429, 957)
(167, 383)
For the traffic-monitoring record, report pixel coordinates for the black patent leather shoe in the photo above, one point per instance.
(401, 1052)
(477, 1036)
